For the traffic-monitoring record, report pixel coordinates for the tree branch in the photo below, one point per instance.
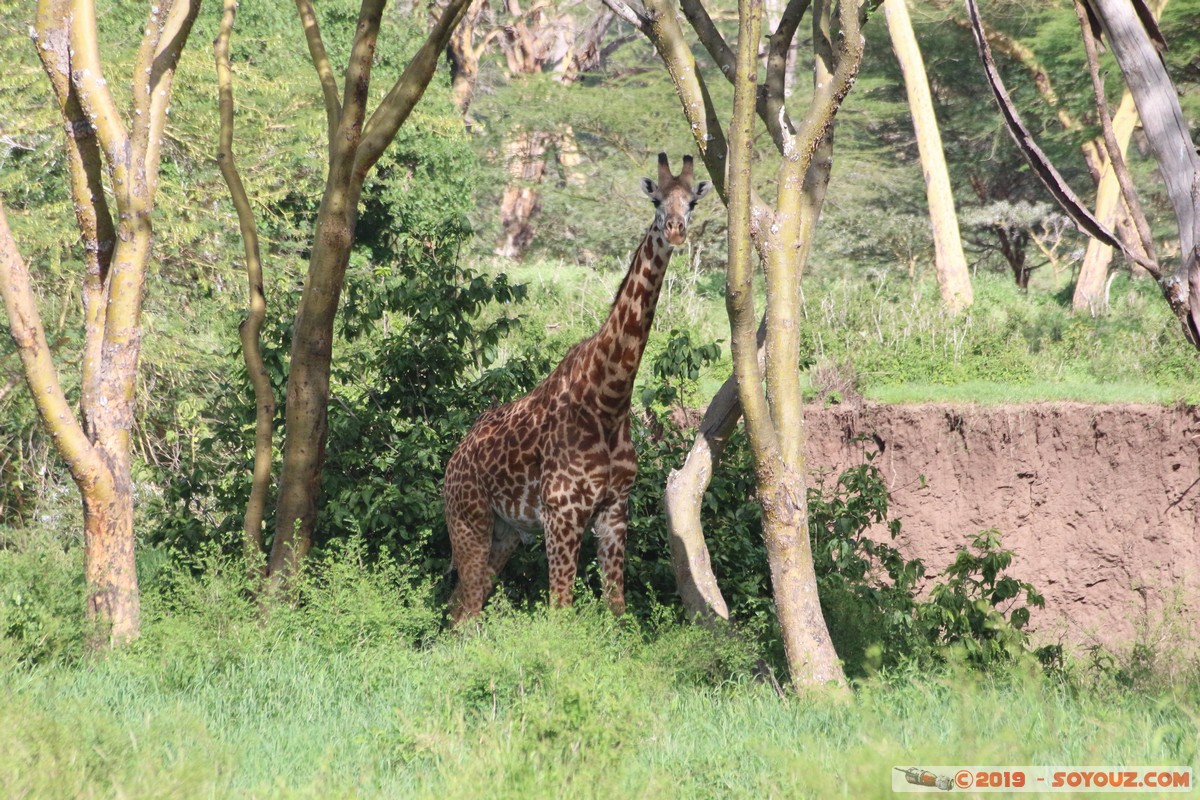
(408, 89)
(1136, 44)
(779, 45)
(739, 292)
(625, 12)
(320, 59)
(249, 330)
(1034, 155)
(29, 334)
(175, 27)
(1116, 160)
(143, 66)
(773, 115)
(783, 342)
(85, 168)
(94, 96)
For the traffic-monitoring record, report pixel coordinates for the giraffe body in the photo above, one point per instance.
(561, 459)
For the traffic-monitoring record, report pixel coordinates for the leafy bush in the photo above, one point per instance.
(42, 598)
(867, 589)
(977, 607)
(678, 367)
(879, 614)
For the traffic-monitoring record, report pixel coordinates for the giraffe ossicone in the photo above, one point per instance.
(560, 459)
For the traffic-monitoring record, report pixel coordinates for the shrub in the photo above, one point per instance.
(42, 598)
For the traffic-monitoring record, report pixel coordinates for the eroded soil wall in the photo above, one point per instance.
(1100, 503)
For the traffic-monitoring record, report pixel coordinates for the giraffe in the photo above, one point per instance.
(561, 458)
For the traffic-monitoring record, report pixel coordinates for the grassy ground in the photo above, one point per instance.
(356, 692)
(893, 340)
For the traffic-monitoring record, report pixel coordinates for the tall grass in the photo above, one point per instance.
(899, 343)
(355, 691)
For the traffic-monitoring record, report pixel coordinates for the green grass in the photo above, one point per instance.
(895, 340)
(536, 705)
(355, 692)
(993, 393)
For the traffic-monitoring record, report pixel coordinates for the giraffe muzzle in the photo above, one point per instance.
(676, 233)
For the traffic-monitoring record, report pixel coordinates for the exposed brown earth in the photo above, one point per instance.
(1100, 503)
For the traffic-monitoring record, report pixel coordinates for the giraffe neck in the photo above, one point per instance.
(618, 347)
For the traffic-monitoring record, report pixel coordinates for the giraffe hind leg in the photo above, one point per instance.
(470, 550)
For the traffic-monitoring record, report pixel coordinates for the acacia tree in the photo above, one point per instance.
(1113, 206)
(1137, 46)
(780, 235)
(355, 143)
(107, 151)
(251, 327)
(953, 278)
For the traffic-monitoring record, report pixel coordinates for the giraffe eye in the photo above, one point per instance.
(656, 201)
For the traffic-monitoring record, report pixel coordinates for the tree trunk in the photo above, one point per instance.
(526, 156)
(249, 330)
(953, 277)
(312, 340)
(96, 445)
(463, 55)
(354, 148)
(774, 419)
(1093, 273)
(110, 567)
(1170, 141)
(684, 496)
(570, 160)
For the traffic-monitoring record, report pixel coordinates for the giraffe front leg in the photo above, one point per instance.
(612, 527)
(564, 535)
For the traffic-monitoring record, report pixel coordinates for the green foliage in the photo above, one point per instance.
(41, 600)
(867, 588)
(977, 606)
(678, 367)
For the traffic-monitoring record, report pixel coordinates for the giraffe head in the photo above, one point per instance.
(674, 198)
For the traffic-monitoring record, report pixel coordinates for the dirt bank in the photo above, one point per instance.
(1100, 503)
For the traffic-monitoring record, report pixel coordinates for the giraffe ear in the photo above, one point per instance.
(649, 187)
(702, 188)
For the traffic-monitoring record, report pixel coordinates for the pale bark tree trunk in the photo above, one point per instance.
(534, 42)
(1116, 198)
(683, 498)
(1129, 37)
(251, 327)
(96, 446)
(526, 156)
(774, 420)
(355, 145)
(1109, 209)
(954, 279)
(464, 54)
